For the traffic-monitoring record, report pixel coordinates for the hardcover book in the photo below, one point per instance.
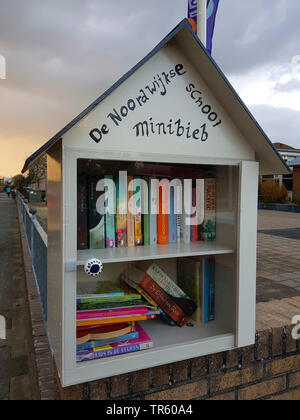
(85, 334)
(110, 206)
(121, 216)
(163, 216)
(138, 235)
(208, 228)
(172, 218)
(190, 280)
(91, 344)
(144, 342)
(153, 201)
(82, 213)
(95, 220)
(130, 212)
(162, 299)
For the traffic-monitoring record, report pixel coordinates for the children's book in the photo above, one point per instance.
(104, 291)
(130, 212)
(110, 207)
(208, 228)
(96, 221)
(138, 234)
(121, 216)
(91, 344)
(111, 313)
(145, 210)
(103, 332)
(115, 319)
(144, 342)
(153, 201)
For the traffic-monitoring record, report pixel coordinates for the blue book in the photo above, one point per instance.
(172, 218)
(91, 344)
(209, 288)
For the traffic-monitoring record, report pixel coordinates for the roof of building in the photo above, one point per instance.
(295, 162)
(270, 160)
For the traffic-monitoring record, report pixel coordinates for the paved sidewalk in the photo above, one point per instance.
(17, 368)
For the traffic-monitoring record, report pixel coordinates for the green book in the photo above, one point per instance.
(146, 210)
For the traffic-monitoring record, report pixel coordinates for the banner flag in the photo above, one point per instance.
(212, 8)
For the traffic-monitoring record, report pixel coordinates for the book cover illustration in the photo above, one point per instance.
(103, 332)
(91, 344)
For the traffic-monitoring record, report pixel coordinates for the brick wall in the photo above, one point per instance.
(268, 370)
(296, 183)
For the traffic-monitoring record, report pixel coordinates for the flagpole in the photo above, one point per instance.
(202, 21)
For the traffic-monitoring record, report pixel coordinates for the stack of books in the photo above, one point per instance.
(144, 210)
(107, 321)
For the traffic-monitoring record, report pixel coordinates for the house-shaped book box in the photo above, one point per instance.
(173, 116)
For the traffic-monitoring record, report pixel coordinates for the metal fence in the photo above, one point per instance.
(37, 242)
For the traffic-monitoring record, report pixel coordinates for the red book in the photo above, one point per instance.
(163, 217)
(162, 299)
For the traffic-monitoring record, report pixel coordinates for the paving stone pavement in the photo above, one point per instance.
(17, 370)
(278, 268)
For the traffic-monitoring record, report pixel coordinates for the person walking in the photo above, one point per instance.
(8, 191)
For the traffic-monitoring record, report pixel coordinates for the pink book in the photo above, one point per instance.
(110, 313)
(144, 342)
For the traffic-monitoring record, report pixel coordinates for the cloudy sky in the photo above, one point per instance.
(62, 54)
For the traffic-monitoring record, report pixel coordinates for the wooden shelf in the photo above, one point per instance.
(154, 252)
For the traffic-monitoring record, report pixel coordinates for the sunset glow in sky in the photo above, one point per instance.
(62, 54)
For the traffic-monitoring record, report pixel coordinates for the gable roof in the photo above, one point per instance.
(271, 161)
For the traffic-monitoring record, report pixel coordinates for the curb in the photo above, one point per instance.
(43, 359)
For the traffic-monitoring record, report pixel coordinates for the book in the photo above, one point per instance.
(98, 314)
(190, 280)
(179, 296)
(85, 334)
(95, 220)
(91, 344)
(163, 216)
(185, 232)
(115, 319)
(195, 225)
(208, 228)
(82, 213)
(172, 218)
(110, 206)
(145, 210)
(144, 342)
(209, 288)
(121, 215)
(130, 212)
(162, 299)
(86, 307)
(153, 202)
(104, 291)
(138, 235)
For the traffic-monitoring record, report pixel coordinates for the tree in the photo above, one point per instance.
(38, 172)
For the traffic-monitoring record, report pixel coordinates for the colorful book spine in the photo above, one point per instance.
(162, 299)
(145, 209)
(96, 220)
(190, 280)
(209, 289)
(114, 320)
(110, 206)
(110, 313)
(138, 234)
(91, 344)
(172, 218)
(130, 212)
(153, 200)
(144, 342)
(208, 230)
(121, 216)
(97, 299)
(163, 216)
(82, 213)
(186, 211)
(195, 224)
(173, 290)
(178, 201)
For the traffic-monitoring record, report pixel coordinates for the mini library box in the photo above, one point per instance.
(170, 142)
